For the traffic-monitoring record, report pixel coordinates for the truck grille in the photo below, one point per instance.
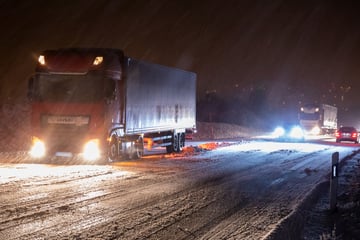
(63, 123)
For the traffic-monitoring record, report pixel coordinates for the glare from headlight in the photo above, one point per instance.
(296, 132)
(315, 131)
(278, 132)
(92, 150)
(38, 149)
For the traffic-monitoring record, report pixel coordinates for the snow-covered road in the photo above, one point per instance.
(241, 190)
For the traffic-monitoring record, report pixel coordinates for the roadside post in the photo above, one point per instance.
(334, 180)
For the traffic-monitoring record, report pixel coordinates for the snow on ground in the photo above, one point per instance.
(319, 221)
(344, 222)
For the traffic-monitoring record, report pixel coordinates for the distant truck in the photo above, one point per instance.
(318, 119)
(99, 102)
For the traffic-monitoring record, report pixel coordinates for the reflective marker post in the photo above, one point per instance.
(334, 180)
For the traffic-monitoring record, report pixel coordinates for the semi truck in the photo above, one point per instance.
(100, 103)
(317, 119)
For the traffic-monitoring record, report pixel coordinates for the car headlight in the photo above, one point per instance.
(38, 149)
(92, 150)
(296, 132)
(278, 132)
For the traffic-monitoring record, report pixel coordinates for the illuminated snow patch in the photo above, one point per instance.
(91, 195)
(19, 172)
(275, 146)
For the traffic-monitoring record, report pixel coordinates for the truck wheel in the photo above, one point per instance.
(182, 141)
(138, 150)
(137, 153)
(113, 150)
(176, 143)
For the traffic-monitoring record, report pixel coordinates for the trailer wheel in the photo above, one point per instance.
(137, 154)
(182, 141)
(176, 143)
(113, 150)
(138, 150)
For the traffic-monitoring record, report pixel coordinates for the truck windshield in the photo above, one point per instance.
(68, 88)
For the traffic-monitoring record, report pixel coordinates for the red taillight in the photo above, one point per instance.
(354, 135)
(337, 134)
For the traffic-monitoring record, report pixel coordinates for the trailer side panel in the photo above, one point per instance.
(158, 98)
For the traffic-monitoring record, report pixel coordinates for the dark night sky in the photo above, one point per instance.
(296, 50)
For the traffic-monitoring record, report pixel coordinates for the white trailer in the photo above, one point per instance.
(318, 119)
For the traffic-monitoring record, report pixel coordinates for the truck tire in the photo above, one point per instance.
(138, 150)
(182, 141)
(174, 147)
(177, 143)
(137, 154)
(113, 154)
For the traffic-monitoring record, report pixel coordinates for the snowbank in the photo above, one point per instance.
(214, 131)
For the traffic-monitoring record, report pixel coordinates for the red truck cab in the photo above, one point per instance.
(69, 94)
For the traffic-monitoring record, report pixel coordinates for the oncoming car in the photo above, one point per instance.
(289, 132)
(347, 134)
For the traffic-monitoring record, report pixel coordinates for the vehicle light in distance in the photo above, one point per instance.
(278, 132)
(315, 130)
(296, 132)
(337, 133)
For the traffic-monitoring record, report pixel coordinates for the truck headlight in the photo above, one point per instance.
(38, 149)
(296, 132)
(315, 131)
(92, 150)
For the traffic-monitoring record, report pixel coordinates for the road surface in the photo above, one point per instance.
(238, 190)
